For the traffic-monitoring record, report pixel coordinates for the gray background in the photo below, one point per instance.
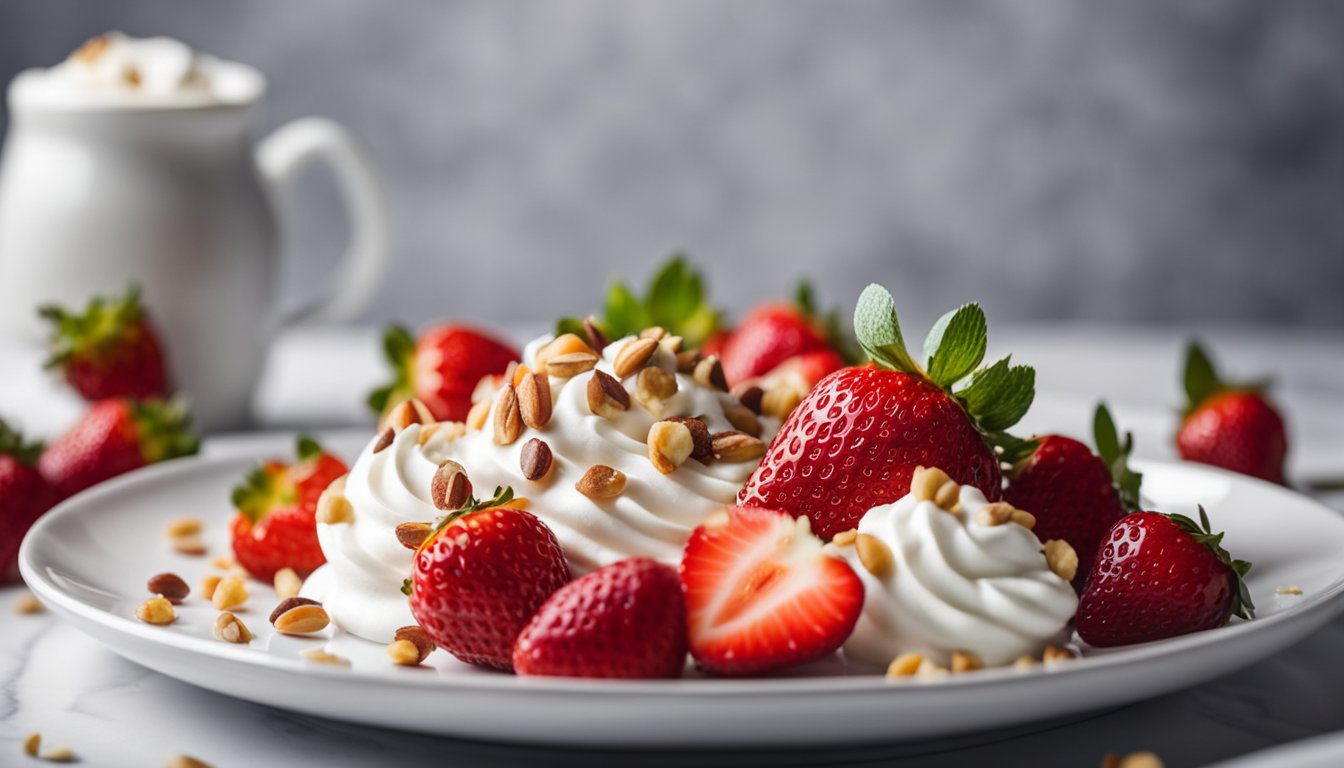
(1169, 162)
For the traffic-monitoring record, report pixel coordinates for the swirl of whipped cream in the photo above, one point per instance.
(955, 585)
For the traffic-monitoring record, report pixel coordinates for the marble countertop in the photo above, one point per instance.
(112, 712)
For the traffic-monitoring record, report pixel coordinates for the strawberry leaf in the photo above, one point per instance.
(399, 350)
(103, 324)
(675, 300)
(1000, 395)
(879, 331)
(1010, 449)
(956, 345)
(675, 294)
(11, 444)
(163, 429)
(1242, 607)
(307, 448)
(1126, 481)
(1201, 380)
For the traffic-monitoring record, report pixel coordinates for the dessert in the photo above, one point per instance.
(944, 572)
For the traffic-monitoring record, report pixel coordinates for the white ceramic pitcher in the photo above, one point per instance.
(95, 195)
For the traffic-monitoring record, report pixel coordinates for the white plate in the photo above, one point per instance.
(90, 558)
(1319, 752)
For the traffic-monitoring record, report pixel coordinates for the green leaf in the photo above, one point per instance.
(379, 397)
(1115, 454)
(1201, 532)
(1104, 432)
(879, 331)
(398, 345)
(674, 294)
(625, 314)
(570, 325)
(307, 448)
(1010, 449)
(956, 345)
(406, 587)
(12, 444)
(805, 299)
(1201, 380)
(1000, 395)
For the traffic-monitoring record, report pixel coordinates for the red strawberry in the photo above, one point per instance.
(1228, 425)
(481, 576)
(856, 439)
(625, 620)
(761, 594)
(24, 496)
(1074, 494)
(110, 350)
(114, 437)
(276, 524)
(441, 369)
(769, 335)
(803, 372)
(715, 343)
(1160, 576)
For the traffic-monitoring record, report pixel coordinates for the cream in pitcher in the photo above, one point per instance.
(132, 161)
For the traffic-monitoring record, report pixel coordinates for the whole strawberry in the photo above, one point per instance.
(1160, 576)
(276, 523)
(625, 620)
(24, 496)
(1077, 495)
(481, 575)
(109, 350)
(1229, 425)
(856, 439)
(441, 368)
(780, 331)
(114, 437)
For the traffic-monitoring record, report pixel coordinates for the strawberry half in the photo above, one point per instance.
(114, 437)
(110, 350)
(24, 496)
(1160, 576)
(1077, 495)
(441, 368)
(276, 524)
(855, 440)
(1230, 425)
(762, 595)
(481, 575)
(624, 620)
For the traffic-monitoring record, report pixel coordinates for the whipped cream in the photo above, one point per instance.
(653, 517)
(955, 585)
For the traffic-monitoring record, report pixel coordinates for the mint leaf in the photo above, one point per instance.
(1011, 449)
(1105, 434)
(307, 448)
(999, 396)
(879, 331)
(1201, 380)
(805, 299)
(674, 294)
(956, 345)
(625, 313)
(398, 344)
(570, 325)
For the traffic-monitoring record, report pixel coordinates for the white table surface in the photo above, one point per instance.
(112, 712)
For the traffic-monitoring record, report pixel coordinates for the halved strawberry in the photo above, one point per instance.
(762, 595)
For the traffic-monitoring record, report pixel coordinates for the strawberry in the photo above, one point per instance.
(761, 595)
(481, 575)
(110, 350)
(855, 440)
(24, 496)
(276, 524)
(1230, 425)
(1077, 495)
(1160, 576)
(769, 335)
(114, 437)
(802, 372)
(674, 301)
(625, 620)
(441, 368)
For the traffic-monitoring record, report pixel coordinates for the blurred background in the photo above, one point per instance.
(1138, 162)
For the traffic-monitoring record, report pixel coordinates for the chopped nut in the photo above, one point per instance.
(1024, 519)
(322, 656)
(1054, 654)
(32, 744)
(384, 440)
(223, 562)
(1141, 760)
(606, 397)
(209, 583)
(534, 400)
(652, 387)
(905, 665)
(302, 620)
(518, 372)
(407, 412)
(845, 538)
(655, 332)
(965, 661)
(536, 459)
(92, 49)
(508, 421)
(170, 586)
(601, 482)
(733, 447)
(451, 488)
(670, 445)
(28, 604)
(926, 481)
(1025, 662)
(948, 495)
(596, 338)
(186, 761)
(287, 583)
(412, 535)
(572, 364)
(230, 594)
(416, 636)
(479, 413)
(633, 356)
(403, 653)
(687, 360)
(749, 395)
(231, 629)
(332, 506)
(702, 442)
(998, 513)
(1061, 558)
(189, 545)
(671, 344)
(288, 604)
(709, 373)
(780, 401)
(156, 610)
(1289, 590)
(60, 754)
(562, 346)
(742, 419)
(873, 554)
(183, 526)
(446, 431)
(930, 669)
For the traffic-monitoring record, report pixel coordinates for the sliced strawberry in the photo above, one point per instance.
(110, 350)
(761, 594)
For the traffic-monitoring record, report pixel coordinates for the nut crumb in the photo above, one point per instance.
(905, 665)
(192, 545)
(287, 583)
(185, 761)
(32, 744)
(231, 593)
(28, 604)
(231, 629)
(323, 656)
(60, 754)
(182, 527)
(156, 610)
(1291, 589)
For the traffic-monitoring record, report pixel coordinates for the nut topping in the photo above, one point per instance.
(332, 506)
(450, 488)
(406, 413)
(322, 656)
(534, 400)
(596, 338)
(926, 481)
(780, 401)
(32, 744)
(750, 395)
(873, 554)
(997, 513)
(601, 482)
(302, 620)
(652, 387)
(905, 665)
(169, 586)
(536, 459)
(702, 443)
(687, 359)
(287, 583)
(403, 653)
(571, 364)
(965, 661)
(1061, 558)
(209, 583)
(633, 356)
(508, 421)
(670, 444)
(156, 610)
(182, 527)
(947, 495)
(742, 419)
(416, 636)
(709, 373)
(655, 332)
(412, 535)
(1055, 654)
(845, 538)
(563, 345)
(231, 629)
(28, 605)
(385, 439)
(189, 545)
(230, 594)
(606, 397)
(1024, 519)
(479, 413)
(734, 447)
(287, 604)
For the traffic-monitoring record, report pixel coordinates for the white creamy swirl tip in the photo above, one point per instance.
(955, 585)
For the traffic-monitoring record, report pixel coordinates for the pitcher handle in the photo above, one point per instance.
(284, 155)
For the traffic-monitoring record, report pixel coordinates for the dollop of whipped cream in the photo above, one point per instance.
(955, 584)
(653, 517)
